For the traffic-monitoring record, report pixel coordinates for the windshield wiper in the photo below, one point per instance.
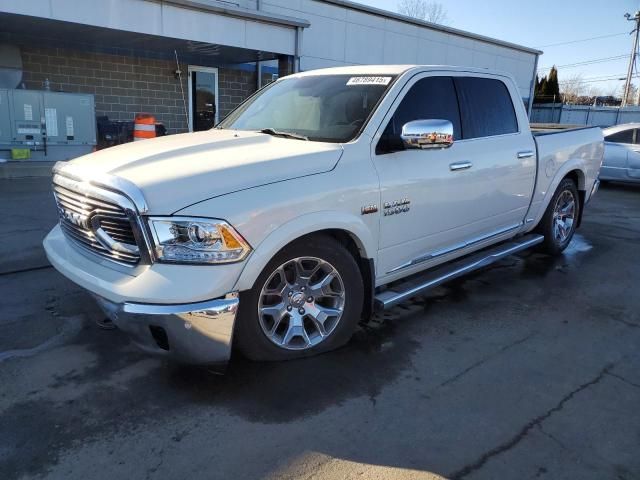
(278, 133)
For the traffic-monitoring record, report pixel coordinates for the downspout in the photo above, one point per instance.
(258, 63)
(533, 85)
(298, 48)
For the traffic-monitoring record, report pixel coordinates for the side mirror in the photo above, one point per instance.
(427, 134)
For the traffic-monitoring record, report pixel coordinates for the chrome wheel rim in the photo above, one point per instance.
(301, 303)
(564, 214)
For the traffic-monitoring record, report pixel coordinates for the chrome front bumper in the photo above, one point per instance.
(196, 333)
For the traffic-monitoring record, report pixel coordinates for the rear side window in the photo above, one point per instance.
(430, 98)
(625, 136)
(486, 108)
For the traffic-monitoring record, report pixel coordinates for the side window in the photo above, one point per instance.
(429, 99)
(624, 136)
(486, 108)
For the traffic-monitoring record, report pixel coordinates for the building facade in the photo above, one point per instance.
(190, 62)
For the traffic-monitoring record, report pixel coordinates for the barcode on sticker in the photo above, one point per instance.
(369, 81)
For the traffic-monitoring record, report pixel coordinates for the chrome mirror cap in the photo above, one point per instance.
(427, 134)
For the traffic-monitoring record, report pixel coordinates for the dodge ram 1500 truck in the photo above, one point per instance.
(326, 195)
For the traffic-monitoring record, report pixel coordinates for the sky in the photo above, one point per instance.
(543, 24)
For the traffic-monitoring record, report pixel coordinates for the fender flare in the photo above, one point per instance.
(298, 227)
(573, 164)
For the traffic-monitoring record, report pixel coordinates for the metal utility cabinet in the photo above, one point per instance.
(52, 125)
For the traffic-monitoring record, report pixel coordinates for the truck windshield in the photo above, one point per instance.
(322, 108)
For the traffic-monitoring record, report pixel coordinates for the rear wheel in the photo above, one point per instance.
(561, 218)
(306, 301)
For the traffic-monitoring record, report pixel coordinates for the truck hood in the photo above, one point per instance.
(179, 170)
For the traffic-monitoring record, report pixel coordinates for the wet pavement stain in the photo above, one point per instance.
(36, 430)
(257, 392)
(300, 388)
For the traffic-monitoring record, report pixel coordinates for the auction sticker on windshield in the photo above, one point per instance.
(369, 81)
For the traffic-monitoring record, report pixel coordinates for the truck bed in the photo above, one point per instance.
(561, 150)
(539, 129)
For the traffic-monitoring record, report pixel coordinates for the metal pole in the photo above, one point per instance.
(632, 58)
(532, 87)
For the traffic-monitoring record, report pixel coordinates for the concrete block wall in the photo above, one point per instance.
(124, 85)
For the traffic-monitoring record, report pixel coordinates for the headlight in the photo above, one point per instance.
(196, 240)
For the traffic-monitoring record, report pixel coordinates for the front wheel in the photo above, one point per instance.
(306, 301)
(560, 220)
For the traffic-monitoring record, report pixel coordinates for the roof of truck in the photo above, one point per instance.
(395, 70)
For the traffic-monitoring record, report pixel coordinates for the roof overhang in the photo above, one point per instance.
(233, 11)
(38, 32)
(165, 22)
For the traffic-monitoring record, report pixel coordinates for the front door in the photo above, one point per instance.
(203, 98)
(430, 206)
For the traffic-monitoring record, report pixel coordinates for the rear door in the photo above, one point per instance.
(502, 153)
(432, 209)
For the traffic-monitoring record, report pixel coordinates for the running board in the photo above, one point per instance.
(423, 281)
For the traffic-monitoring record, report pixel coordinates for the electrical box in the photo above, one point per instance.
(27, 106)
(69, 118)
(53, 125)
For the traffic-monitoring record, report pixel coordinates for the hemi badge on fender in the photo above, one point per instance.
(369, 209)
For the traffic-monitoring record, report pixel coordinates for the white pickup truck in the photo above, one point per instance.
(323, 197)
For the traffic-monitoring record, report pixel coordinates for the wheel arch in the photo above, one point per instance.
(347, 229)
(578, 177)
(570, 169)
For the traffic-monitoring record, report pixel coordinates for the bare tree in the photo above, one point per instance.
(632, 97)
(572, 88)
(433, 12)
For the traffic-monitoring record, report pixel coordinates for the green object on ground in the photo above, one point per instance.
(20, 154)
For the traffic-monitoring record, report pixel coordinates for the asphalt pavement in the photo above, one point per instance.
(528, 369)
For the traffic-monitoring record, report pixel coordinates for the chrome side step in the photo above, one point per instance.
(423, 281)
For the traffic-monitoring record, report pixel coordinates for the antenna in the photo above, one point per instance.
(178, 73)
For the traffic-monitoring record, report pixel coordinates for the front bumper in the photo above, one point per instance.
(196, 333)
(165, 309)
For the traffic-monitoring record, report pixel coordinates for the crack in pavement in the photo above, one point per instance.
(486, 359)
(154, 469)
(625, 322)
(25, 270)
(621, 378)
(524, 431)
(551, 437)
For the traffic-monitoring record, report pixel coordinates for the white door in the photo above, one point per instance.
(435, 208)
(203, 98)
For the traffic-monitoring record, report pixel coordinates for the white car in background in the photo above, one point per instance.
(621, 153)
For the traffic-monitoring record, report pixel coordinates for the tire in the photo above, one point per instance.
(560, 220)
(283, 315)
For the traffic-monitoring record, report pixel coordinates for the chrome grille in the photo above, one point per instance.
(83, 215)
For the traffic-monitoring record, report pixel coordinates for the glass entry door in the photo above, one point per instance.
(203, 98)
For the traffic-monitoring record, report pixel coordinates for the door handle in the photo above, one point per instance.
(454, 167)
(525, 154)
